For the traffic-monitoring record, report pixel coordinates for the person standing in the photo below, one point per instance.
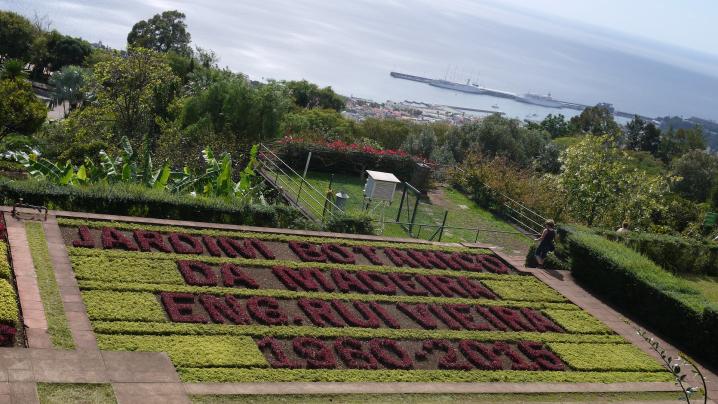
(546, 242)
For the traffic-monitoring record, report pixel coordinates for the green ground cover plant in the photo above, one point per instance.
(8, 304)
(58, 328)
(54, 393)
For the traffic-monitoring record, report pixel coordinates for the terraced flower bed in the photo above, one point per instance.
(230, 306)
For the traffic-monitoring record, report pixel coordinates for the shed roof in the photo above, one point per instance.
(382, 176)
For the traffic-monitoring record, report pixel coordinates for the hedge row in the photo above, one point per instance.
(516, 288)
(662, 301)
(98, 224)
(675, 254)
(577, 321)
(88, 286)
(5, 272)
(280, 331)
(131, 200)
(228, 375)
(165, 261)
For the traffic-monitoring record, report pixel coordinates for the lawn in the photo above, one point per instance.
(463, 212)
(53, 393)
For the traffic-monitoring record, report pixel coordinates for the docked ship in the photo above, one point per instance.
(450, 85)
(542, 100)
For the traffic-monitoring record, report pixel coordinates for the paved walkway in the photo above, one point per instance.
(141, 377)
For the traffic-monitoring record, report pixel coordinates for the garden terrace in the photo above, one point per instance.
(240, 305)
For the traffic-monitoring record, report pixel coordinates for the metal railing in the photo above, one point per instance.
(294, 187)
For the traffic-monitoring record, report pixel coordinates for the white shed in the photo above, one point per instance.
(380, 186)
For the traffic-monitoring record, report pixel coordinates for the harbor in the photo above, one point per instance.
(545, 101)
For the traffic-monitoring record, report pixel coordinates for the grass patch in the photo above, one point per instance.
(707, 285)
(58, 329)
(55, 393)
(437, 398)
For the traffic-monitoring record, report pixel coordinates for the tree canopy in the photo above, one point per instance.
(20, 110)
(163, 33)
(596, 120)
(309, 95)
(16, 36)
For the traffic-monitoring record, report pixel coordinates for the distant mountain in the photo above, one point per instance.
(710, 128)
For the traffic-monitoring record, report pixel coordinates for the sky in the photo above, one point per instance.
(649, 56)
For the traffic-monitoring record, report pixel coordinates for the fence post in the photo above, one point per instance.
(401, 204)
(443, 223)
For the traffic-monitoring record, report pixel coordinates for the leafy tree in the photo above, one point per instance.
(320, 124)
(12, 69)
(390, 133)
(602, 189)
(556, 125)
(127, 89)
(163, 33)
(20, 110)
(52, 51)
(309, 95)
(69, 83)
(421, 144)
(675, 143)
(596, 120)
(16, 36)
(498, 136)
(642, 136)
(697, 170)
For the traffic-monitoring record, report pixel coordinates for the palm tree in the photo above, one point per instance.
(68, 84)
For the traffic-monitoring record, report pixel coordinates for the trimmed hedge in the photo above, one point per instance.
(280, 331)
(577, 321)
(227, 375)
(133, 200)
(5, 272)
(662, 301)
(675, 254)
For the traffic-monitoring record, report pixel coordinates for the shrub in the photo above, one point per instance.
(668, 304)
(133, 200)
(354, 224)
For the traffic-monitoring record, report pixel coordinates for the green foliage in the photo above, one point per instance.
(353, 224)
(675, 143)
(626, 278)
(698, 172)
(259, 331)
(556, 125)
(601, 188)
(605, 357)
(51, 51)
(596, 121)
(309, 95)
(128, 88)
(16, 36)
(227, 375)
(577, 321)
(672, 253)
(525, 288)
(12, 69)
(5, 272)
(69, 84)
(20, 110)
(8, 303)
(136, 200)
(317, 124)
(57, 326)
(390, 133)
(642, 136)
(192, 351)
(111, 305)
(554, 260)
(166, 32)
